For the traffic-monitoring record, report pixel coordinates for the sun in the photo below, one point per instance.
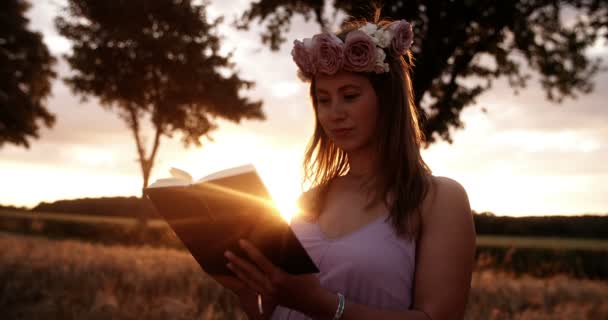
(278, 166)
(286, 206)
(283, 186)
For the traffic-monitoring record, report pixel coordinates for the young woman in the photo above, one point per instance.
(391, 240)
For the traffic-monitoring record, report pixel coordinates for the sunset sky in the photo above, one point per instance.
(525, 156)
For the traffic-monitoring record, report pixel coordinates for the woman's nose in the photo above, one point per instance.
(337, 111)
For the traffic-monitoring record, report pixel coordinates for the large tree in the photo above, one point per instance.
(452, 38)
(25, 76)
(154, 58)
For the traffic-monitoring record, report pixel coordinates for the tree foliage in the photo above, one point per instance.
(25, 76)
(157, 58)
(460, 46)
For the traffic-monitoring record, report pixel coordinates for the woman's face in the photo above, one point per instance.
(347, 108)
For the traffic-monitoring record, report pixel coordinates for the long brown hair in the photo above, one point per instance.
(402, 172)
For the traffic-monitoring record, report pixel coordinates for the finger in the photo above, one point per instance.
(258, 257)
(231, 282)
(251, 270)
(243, 276)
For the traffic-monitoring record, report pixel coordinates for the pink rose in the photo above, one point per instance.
(359, 52)
(303, 58)
(403, 36)
(328, 53)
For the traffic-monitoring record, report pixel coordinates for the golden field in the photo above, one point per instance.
(67, 279)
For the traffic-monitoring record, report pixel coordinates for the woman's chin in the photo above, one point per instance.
(347, 146)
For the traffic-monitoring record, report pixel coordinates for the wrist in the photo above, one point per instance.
(326, 306)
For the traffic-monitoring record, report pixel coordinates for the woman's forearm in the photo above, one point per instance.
(328, 303)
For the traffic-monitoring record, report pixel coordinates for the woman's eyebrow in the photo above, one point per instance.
(342, 88)
(349, 86)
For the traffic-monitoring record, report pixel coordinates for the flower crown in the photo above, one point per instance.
(361, 51)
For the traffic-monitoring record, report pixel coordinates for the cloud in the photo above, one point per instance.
(534, 141)
(531, 109)
(526, 135)
(520, 153)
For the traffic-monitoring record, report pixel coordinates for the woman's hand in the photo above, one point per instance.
(248, 299)
(298, 292)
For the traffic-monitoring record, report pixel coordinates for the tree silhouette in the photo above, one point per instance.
(25, 76)
(452, 38)
(157, 58)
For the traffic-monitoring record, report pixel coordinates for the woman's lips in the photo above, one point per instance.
(341, 132)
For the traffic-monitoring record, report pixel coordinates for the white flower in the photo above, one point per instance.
(369, 28)
(308, 43)
(383, 37)
(380, 66)
(380, 55)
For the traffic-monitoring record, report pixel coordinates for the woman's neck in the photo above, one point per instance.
(363, 175)
(362, 164)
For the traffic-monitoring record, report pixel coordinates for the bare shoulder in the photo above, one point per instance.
(446, 199)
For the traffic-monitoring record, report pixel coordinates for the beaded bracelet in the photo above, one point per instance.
(340, 309)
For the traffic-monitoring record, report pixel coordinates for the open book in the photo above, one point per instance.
(211, 214)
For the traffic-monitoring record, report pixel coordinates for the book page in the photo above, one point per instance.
(180, 174)
(169, 182)
(180, 177)
(227, 173)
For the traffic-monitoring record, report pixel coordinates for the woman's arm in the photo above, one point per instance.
(446, 254)
(328, 303)
(444, 263)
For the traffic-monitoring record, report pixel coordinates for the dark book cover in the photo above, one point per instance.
(210, 215)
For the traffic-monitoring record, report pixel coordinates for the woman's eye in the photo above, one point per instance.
(351, 96)
(323, 101)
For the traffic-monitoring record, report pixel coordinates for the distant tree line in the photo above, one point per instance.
(13, 208)
(134, 207)
(486, 223)
(583, 226)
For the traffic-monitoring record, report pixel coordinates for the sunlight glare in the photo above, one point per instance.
(277, 165)
(282, 182)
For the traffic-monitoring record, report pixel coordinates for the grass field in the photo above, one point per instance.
(49, 279)
(536, 256)
(81, 218)
(542, 242)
